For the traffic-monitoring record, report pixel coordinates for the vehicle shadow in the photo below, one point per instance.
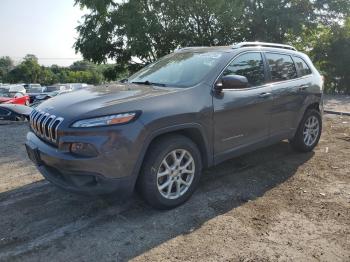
(41, 220)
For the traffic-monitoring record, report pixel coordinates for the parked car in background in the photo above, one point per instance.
(14, 112)
(74, 86)
(29, 86)
(15, 88)
(50, 91)
(10, 97)
(194, 108)
(34, 91)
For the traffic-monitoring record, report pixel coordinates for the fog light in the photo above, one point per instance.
(83, 149)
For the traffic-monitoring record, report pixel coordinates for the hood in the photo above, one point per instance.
(101, 100)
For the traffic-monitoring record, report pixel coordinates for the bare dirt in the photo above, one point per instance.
(340, 103)
(270, 205)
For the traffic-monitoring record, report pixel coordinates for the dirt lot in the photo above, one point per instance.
(270, 205)
(340, 103)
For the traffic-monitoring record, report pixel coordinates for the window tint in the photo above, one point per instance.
(249, 65)
(301, 66)
(281, 67)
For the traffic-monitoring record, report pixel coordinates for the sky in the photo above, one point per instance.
(45, 28)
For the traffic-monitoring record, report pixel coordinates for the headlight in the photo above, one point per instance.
(106, 120)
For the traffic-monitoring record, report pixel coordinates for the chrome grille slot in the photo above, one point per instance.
(45, 125)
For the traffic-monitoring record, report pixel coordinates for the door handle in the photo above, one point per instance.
(303, 87)
(264, 95)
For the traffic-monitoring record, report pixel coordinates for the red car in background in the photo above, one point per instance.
(8, 97)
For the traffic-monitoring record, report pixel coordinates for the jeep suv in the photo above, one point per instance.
(191, 109)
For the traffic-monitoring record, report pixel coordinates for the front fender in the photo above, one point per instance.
(171, 129)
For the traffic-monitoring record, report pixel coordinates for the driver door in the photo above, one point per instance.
(242, 116)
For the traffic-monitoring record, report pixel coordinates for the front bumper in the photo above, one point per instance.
(112, 170)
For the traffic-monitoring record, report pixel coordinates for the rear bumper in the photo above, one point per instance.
(111, 171)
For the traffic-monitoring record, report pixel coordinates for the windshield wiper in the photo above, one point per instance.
(148, 83)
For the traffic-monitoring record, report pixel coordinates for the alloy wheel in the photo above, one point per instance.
(311, 130)
(175, 174)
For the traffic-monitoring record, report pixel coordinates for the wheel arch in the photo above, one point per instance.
(195, 132)
(315, 105)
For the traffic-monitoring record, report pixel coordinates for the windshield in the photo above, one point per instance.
(52, 88)
(178, 69)
(7, 94)
(34, 90)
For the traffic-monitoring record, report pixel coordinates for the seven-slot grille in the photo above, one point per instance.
(45, 125)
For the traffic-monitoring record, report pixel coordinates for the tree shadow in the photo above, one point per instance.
(39, 219)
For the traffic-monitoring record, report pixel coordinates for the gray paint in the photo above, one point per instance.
(230, 123)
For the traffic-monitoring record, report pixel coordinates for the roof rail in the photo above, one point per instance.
(189, 48)
(251, 44)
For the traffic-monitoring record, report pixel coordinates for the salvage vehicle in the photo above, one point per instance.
(35, 91)
(18, 88)
(14, 112)
(31, 86)
(9, 97)
(191, 109)
(50, 92)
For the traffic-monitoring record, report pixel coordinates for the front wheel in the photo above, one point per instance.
(309, 132)
(171, 172)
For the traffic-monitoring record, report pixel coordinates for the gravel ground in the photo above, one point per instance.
(270, 205)
(339, 103)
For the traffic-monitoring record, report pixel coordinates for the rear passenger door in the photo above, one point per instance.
(286, 90)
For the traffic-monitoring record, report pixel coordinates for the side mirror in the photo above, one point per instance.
(231, 82)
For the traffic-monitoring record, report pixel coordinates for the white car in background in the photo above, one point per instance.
(15, 88)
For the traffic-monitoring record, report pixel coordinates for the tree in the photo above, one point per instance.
(327, 47)
(83, 66)
(148, 29)
(6, 65)
(28, 71)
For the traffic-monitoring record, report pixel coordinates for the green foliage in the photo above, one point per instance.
(328, 47)
(6, 65)
(148, 29)
(29, 71)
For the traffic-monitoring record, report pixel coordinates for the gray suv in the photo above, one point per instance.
(192, 109)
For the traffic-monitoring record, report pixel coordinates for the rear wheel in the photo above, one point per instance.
(309, 132)
(171, 172)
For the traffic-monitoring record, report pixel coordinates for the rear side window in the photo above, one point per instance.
(281, 67)
(251, 66)
(302, 67)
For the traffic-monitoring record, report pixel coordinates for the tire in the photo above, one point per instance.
(302, 143)
(20, 118)
(155, 175)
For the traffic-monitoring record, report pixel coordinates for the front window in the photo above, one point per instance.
(178, 69)
(251, 66)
